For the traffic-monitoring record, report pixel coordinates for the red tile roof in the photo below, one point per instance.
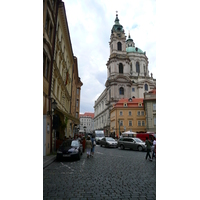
(133, 103)
(152, 91)
(87, 114)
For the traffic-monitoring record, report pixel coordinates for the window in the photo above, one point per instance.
(77, 91)
(47, 70)
(130, 123)
(139, 123)
(138, 113)
(129, 113)
(119, 46)
(77, 103)
(120, 68)
(121, 91)
(146, 87)
(143, 124)
(120, 113)
(121, 123)
(154, 106)
(47, 22)
(137, 67)
(142, 113)
(154, 119)
(133, 89)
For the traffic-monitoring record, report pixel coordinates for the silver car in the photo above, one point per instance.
(131, 143)
(108, 142)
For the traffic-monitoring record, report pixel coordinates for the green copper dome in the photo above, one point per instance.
(134, 49)
(117, 26)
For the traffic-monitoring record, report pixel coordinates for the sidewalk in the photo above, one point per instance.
(48, 160)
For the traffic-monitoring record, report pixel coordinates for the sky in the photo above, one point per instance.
(90, 23)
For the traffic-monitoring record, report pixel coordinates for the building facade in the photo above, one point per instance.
(127, 115)
(50, 9)
(86, 122)
(60, 77)
(150, 108)
(127, 74)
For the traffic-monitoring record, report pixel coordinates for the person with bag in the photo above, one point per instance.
(149, 144)
(93, 145)
(88, 146)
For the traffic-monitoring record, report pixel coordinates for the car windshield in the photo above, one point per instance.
(69, 143)
(138, 140)
(110, 139)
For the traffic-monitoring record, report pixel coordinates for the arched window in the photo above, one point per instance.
(121, 91)
(119, 46)
(137, 67)
(120, 68)
(146, 87)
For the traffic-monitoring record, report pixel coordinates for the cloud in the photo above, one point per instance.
(90, 23)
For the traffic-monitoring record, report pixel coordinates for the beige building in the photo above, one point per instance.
(64, 78)
(127, 115)
(150, 108)
(61, 83)
(49, 25)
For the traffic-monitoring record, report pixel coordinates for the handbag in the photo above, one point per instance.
(94, 143)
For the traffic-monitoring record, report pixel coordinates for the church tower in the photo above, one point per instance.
(118, 83)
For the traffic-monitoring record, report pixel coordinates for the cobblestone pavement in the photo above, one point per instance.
(111, 174)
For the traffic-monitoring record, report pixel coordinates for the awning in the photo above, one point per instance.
(69, 116)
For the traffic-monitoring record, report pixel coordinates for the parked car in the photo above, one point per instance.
(108, 142)
(131, 143)
(70, 149)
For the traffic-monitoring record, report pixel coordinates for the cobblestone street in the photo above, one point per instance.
(111, 174)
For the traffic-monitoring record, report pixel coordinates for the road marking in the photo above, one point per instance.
(66, 166)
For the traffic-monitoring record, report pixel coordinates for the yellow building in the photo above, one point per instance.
(127, 114)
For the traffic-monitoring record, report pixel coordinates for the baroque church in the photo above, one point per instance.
(127, 76)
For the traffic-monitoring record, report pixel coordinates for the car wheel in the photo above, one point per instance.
(140, 148)
(121, 146)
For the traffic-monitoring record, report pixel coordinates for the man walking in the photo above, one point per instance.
(149, 144)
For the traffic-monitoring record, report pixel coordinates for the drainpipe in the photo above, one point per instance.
(50, 82)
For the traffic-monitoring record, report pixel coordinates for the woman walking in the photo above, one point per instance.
(88, 146)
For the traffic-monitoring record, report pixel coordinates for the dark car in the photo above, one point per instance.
(108, 142)
(131, 143)
(70, 149)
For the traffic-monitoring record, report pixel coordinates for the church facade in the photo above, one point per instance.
(127, 76)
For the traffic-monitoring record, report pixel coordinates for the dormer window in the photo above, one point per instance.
(125, 104)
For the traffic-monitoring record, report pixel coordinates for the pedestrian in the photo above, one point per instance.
(149, 144)
(153, 148)
(88, 146)
(93, 140)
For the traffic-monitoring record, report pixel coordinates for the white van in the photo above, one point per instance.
(99, 134)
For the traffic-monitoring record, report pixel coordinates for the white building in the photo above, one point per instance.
(127, 75)
(86, 122)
